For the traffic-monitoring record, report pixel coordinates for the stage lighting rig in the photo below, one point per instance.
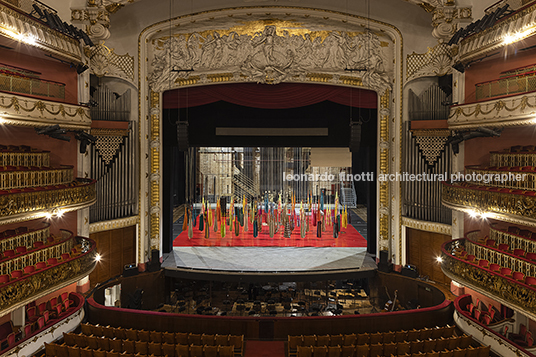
(85, 139)
(54, 131)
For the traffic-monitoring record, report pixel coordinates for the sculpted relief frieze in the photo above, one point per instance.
(272, 54)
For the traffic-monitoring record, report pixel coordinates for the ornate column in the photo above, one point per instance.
(154, 178)
(384, 212)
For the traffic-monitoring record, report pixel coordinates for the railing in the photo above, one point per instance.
(504, 203)
(486, 335)
(15, 157)
(21, 291)
(513, 240)
(506, 290)
(17, 203)
(512, 159)
(514, 84)
(22, 176)
(16, 83)
(26, 239)
(42, 254)
(523, 178)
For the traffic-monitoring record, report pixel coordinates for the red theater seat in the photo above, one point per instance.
(490, 243)
(38, 244)
(506, 272)
(29, 269)
(529, 280)
(495, 267)
(16, 274)
(519, 252)
(52, 261)
(518, 276)
(41, 265)
(21, 250)
(483, 263)
(9, 253)
(4, 278)
(504, 247)
(531, 256)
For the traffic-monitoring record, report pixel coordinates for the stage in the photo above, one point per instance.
(238, 258)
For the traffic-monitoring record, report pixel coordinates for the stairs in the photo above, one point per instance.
(348, 197)
(244, 186)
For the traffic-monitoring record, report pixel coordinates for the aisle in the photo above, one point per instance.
(265, 349)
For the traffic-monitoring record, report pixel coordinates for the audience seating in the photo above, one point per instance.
(154, 343)
(421, 342)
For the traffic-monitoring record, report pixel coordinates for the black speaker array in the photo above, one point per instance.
(182, 135)
(355, 136)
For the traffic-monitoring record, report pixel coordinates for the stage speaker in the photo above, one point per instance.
(410, 271)
(130, 270)
(384, 265)
(445, 83)
(154, 263)
(355, 136)
(182, 135)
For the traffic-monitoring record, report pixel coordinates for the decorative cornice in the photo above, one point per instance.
(24, 206)
(437, 61)
(509, 207)
(105, 62)
(20, 293)
(24, 28)
(512, 294)
(113, 224)
(427, 226)
(522, 24)
(24, 111)
(513, 110)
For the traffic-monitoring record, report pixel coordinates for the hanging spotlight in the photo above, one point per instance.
(85, 139)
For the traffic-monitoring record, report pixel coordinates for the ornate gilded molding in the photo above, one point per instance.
(517, 296)
(20, 293)
(113, 224)
(510, 111)
(270, 44)
(509, 207)
(522, 24)
(24, 111)
(437, 61)
(96, 20)
(427, 226)
(23, 206)
(105, 62)
(27, 29)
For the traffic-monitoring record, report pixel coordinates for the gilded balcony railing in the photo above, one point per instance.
(514, 178)
(13, 177)
(21, 291)
(507, 204)
(520, 83)
(504, 289)
(26, 239)
(515, 241)
(14, 156)
(34, 202)
(512, 159)
(51, 250)
(10, 82)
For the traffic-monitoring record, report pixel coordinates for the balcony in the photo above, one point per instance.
(514, 84)
(18, 25)
(491, 335)
(17, 80)
(36, 202)
(20, 110)
(510, 205)
(502, 288)
(56, 275)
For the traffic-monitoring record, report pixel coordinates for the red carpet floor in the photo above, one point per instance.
(264, 349)
(348, 237)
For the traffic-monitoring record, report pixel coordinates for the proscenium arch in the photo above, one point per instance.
(280, 26)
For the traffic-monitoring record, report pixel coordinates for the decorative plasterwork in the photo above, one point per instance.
(20, 293)
(28, 30)
(24, 206)
(96, 20)
(437, 61)
(515, 295)
(24, 111)
(55, 332)
(252, 51)
(514, 110)
(427, 226)
(105, 62)
(522, 24)
(508, 207)
(270, 45)
(113, 224)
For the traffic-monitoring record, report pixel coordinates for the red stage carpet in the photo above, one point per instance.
(348, 237)
(265, 349)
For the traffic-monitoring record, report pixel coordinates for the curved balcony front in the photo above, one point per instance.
(506, 290)
(54, 276)
(490, 335)
(37, 202)
(505, 204)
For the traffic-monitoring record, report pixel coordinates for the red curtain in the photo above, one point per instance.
(268, 96)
